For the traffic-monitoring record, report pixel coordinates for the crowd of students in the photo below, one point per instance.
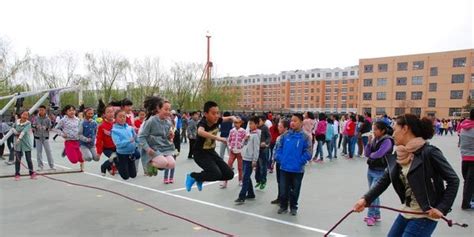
(262, 143)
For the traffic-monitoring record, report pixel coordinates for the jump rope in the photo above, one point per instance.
(132, 199)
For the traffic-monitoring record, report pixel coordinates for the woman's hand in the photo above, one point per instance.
(435, 213)
(359, 205)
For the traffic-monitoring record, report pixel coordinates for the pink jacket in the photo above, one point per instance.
(236, 139)
(321, 127)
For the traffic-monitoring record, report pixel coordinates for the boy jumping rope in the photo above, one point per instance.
(214, 168)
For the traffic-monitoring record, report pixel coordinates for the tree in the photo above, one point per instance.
(56, 71)
(10, 65)
(105, 71)
(181, 85)
(148, 78)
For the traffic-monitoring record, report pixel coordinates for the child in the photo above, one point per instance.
(125, 140)
(265, 139)
(104, 143)
(236, 142)
(214, 168)
(283, 127)
(192, 133)
(250, 156)
(294, 152)
(156, 136)
(127, 106)
(68, 128)
(41, 127)
(140, 120)
(22, 143)
(87, 135)
(329, 137)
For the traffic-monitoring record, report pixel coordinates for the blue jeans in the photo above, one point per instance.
(290, 185)
(334, 144)
(365, 140)
(319, 150)
(247, 186)
(261, 170)
(422, 227)
(352, 141)
(329, 147)
(373, 176)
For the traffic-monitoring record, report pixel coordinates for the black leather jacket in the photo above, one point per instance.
(428, 171)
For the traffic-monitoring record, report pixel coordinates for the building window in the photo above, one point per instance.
(418, 65)
(431, 102)
(459, 62)
(416, 95)
(456, 95)
(352, 73)
(283, 77)
(472, 77)
(417, 80)
(351, 97)
(312, 75)
(472, 94)
(401, 81)
(344, 74)
(368, 68)
(381, 81)
(399, 111)
(299, 76)
(344, 89)
(343, 97)
(367, 96)
(379, 111)
(381, 95)
(457, 78)
(434, 71)
(306, 76)
(344, 82)
(336, 74)
(452, 111)
(433, 87)
(402, 66)
(400, 95)
(367, 82)
(328, 90)
(415, 111)
(327, 98)
(383, 67)
(367, 110)
(328, 74)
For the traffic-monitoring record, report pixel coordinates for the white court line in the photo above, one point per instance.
(214, 205)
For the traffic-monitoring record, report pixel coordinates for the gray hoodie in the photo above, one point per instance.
(251, 148)
(41, 127)
(154, 134)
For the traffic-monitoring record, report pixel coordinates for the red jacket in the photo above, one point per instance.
(104, 138)
(351, 127)
(274, 134)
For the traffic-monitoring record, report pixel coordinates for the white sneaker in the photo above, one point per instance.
(112, 157)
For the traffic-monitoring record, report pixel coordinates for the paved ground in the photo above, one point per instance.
(49, 208)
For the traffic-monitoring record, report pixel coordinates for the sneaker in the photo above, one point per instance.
(262, 186)
(189, 182)
(17, 178)
(370, 221)
(112, 157)
(276, 201)
(82, 166)
(282, 210)
(293, 212)
(33, 176)
(9, 162)
(52, 169)
(257, 185)
(103, 174)
(239, 201)
(199, 185)
(166, 181)
(171, 180)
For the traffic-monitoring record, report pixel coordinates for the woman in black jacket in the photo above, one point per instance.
(417, 174)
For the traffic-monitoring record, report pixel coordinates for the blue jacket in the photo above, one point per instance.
(87, 129)
(294, 151)
(121, 135)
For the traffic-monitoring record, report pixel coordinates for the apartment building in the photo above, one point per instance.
(436, 84)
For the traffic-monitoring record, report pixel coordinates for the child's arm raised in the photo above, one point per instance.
(228, 118)
(203, 133)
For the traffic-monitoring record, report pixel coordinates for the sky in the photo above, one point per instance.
(248, 36)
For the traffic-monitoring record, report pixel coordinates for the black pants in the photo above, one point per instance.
(214, 168)
(192, 142)
(19, 154)
(290, 185)
(11, 148)
(468, 176)
(177, 140)
(277, 168)
(126, 166)
(2, 147)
